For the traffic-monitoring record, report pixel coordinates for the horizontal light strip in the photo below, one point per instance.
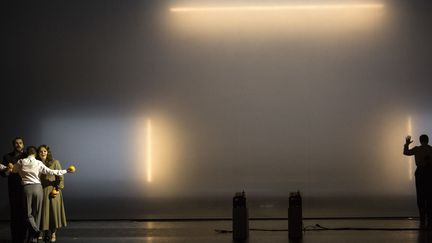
(277, 8)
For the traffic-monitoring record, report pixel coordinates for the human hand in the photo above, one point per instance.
(71, 169)
(408, 140)
(54, 193)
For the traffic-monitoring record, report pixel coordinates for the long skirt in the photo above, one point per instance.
(53, 211)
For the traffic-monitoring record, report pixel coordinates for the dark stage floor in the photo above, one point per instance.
(392, 230)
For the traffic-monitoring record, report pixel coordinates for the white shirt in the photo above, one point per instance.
(2, 167)
(30, 168)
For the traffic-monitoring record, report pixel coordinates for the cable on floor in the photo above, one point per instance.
(318, 227)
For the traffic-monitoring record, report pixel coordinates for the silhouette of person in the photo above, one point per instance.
(15, 191)
(423, 161)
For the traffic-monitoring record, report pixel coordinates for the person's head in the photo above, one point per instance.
(44, 153)
(424, 139)
(18, 144)
(31, 150)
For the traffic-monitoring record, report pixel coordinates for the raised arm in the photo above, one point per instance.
(406, 150)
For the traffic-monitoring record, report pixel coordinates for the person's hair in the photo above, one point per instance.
(49, 155)
(424, 139)
(17, 138)
(31, 150)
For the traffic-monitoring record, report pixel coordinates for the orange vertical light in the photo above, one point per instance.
(410, 158)
(149, 155)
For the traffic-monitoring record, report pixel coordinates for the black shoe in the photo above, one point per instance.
(33, 236)
(32, 240)
(423, 222)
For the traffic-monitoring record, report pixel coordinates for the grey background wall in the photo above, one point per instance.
(266, 105)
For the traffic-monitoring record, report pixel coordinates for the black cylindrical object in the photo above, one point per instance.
(240, 217)
(295, 223)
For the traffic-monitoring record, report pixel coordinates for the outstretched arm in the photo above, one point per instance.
(2, 167)
(47, 171)
(406, 150)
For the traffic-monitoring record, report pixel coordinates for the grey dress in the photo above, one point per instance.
(53, 211)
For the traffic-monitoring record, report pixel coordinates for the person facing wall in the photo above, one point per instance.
(423, 176)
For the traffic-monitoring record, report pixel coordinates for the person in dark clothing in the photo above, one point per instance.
(15, 189)
(423, 177)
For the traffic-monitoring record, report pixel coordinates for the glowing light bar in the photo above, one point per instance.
(149, 151)
(277, 8)
(410, 158)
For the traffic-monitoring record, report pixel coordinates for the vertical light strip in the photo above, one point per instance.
(149, 151)
(410, 158)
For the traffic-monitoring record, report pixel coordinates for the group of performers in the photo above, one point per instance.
(35, 182)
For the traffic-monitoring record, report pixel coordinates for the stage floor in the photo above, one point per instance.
(392, 230)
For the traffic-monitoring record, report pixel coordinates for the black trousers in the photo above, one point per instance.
(17, 219)
(423, 179)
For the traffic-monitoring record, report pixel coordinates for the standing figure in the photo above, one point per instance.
(15, 190)
(29, 169)
(53, 211)
(423, 161)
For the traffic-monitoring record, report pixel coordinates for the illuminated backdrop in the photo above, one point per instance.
(204, 98)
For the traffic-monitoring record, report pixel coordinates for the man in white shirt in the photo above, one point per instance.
(29, 170)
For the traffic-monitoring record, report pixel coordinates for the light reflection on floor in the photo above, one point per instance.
(204, 231)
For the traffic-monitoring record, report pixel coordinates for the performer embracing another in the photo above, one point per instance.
(29, 170)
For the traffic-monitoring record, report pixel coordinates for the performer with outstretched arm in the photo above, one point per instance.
(29, 170)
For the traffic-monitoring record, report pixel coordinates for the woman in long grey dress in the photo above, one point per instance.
(53, 211)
